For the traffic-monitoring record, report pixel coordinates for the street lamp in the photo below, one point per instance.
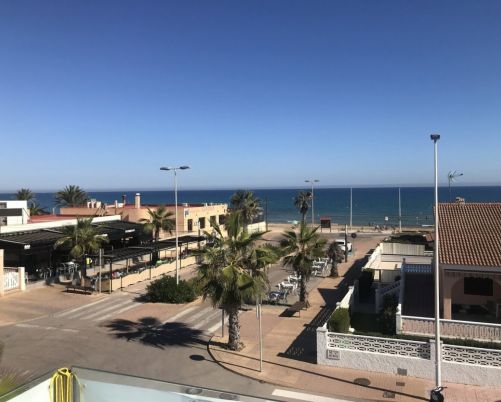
(452, 176)
(438, 347)
(312, 181)
(175, 169)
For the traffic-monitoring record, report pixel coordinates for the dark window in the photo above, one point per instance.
(212, 221)
(221, 219)
(3, 220)
(201, 223)
(478, 286)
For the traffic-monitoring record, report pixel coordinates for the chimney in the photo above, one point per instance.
(124, 199)
(460, 200)
(137, 201)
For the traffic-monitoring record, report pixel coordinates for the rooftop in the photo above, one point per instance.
(470, 234)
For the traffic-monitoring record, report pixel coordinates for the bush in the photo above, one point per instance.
(165, 290)
(339, 321)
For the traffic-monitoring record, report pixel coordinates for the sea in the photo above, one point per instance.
(369, 206)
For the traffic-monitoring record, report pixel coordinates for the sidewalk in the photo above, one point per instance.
(289, 356)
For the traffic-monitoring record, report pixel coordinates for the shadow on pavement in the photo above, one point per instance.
(304, 347)
(151, 332)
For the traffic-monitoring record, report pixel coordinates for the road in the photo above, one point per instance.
(121, 333)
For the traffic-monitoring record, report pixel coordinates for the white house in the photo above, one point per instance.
(14, 212)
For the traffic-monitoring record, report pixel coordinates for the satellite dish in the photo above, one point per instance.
(353, 235)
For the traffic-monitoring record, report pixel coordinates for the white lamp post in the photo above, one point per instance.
(438, 346)
(175, 169)
(312, 181)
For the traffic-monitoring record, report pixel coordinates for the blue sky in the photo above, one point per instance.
(249, 93)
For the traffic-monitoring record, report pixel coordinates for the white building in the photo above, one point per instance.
(14, 212)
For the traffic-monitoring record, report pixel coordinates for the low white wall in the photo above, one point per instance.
(388, 360)
(256, 227)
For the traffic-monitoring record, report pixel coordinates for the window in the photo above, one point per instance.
(3, 220)
(221, 219)
(478, 286)
(201, 223)
(3, 205)
(212, 221)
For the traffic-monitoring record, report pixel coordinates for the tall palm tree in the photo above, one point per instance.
(159, 219)
(247, 204)
(81, 239)
(233, 270)
(302, 203)
(36, 209)
(25, 194)
(300, 250)
(71, 196)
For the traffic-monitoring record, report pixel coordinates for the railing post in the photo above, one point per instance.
(22, 282)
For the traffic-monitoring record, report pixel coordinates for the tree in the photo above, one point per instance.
(336, 255)
(81, 239)
(36, 209)
(300, 250)
(247, 204)
(71, 196)
(302, 203)
(25, 194)
(233, 270)
(159, 219)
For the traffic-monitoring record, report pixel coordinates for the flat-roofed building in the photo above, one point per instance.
(190, 217)
(14, 212)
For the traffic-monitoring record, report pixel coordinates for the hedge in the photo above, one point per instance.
(339, 321)
(165, 290)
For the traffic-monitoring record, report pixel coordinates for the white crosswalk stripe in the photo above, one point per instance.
(101, 309)
(210, 318)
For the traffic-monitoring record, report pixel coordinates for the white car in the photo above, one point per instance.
(341, 244)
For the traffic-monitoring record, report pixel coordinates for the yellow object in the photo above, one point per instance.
(61, 385)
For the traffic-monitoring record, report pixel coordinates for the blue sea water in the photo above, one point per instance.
(370, 205)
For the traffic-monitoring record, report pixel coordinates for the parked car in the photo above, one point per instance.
(342, 246)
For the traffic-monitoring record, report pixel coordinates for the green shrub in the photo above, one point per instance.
(165, 290)
(339, 321)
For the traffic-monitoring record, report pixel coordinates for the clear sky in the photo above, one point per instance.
(249, 93)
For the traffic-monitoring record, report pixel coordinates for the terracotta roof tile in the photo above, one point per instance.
(470, 234)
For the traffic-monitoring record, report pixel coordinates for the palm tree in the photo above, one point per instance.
(247, 204)
(37, 209)
(159, 219)
(300, 249)
(302, 203)
(71, 196)
(336, 255)
(25, 194)
(81, 239)
(233, 270)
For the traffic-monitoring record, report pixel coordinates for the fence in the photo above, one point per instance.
(11, 279)
(481, 331)
(403, 249)
(460, 364)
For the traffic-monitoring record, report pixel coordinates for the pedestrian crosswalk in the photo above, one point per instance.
(202, 317)
(99, 310)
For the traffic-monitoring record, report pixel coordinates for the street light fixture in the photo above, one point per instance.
(312, 181)
(175, 169)
(452, 176)
(438, 346)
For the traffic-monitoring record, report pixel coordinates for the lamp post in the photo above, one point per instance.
(438, 348)
(452, 176)
(312, 181)
(175, 169)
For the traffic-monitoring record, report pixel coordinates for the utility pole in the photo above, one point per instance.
(399, 212)
(351, 208)
(438, 346)
(345, 243)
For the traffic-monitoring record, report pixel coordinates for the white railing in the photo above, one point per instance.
(347, 301)
(393, 289)
(379, 345)
(375, 258)
(452, 328)
(466, 354)
(10, 278)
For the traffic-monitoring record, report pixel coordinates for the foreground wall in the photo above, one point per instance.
(460, 364)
